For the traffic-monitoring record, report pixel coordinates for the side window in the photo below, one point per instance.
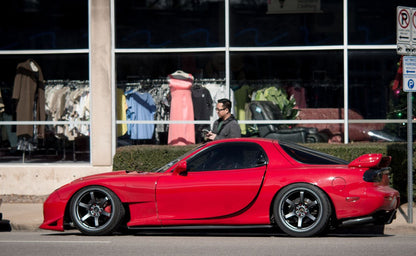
(229, 156)
(254, 157)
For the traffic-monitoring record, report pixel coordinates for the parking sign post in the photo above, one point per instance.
(406, 45)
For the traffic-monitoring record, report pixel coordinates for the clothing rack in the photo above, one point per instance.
(67, 82)
(124, 84)
(65, 132)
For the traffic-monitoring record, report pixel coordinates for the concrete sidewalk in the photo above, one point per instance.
(28, 217)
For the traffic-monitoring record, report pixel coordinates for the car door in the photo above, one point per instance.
(221, 181)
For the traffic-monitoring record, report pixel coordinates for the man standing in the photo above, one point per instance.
(226, 126)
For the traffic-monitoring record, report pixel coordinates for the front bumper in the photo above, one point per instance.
(53, 213)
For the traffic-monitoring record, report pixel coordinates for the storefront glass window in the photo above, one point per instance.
(169, 24)
(44, 100)
(258, 31)
(371, 77)
(265, 81)
(375, 89)
(43, 24)
(317, 74)
(51, 89)
(285, 23)
(144, 94)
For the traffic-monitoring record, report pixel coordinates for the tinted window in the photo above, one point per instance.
(228, 156)
(309, 156)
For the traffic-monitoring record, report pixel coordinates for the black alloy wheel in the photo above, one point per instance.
(302, 210)
(96, 210)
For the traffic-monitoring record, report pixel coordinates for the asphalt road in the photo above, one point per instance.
(53, 243)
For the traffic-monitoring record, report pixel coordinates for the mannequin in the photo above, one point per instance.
(179, 74)
(29, 95)
(181, 108)
(33, 66)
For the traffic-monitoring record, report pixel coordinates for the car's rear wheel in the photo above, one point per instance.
(302, 210)
(96, 211)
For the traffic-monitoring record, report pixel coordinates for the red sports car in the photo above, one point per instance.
(245, 182)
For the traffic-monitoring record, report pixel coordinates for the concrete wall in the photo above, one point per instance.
(42, 179)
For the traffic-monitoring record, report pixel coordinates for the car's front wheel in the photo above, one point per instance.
(302, 210)
(96, 211)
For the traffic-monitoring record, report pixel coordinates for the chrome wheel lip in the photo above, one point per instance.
(299, 206)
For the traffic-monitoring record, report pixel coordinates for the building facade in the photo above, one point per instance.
(80, 78)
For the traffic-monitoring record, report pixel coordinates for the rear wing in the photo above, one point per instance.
(371, 161)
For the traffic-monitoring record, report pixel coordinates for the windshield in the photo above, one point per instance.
(171, 163)
(309, 156)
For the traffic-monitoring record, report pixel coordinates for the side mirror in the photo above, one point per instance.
(180, 169)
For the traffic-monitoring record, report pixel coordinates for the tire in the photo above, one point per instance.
(302, 210)
(96, 211)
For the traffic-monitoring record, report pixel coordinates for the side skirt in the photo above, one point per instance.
(199, 227)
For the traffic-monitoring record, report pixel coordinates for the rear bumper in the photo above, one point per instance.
(381, 217)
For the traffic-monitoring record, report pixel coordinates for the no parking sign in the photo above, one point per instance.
(406, 30)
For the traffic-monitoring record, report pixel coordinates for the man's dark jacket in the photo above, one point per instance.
(228, 129)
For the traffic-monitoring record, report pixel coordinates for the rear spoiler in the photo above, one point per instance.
(371, 161)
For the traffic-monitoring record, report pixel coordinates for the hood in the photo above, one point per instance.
(371, 161)
(113, 175)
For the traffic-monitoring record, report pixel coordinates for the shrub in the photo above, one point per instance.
(149, 157)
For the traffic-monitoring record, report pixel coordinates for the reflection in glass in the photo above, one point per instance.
(44, 25)
(285, 23)
(371, 76)
(316, 74)
(373, 22)
(169, 24)
(131, 67)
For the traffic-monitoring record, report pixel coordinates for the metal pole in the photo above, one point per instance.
(346, 85)
(409, 158)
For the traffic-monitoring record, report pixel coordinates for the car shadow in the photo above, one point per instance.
(370, 231)
(355, 231)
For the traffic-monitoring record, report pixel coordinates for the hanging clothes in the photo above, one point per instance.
(1, 103)
(29, 93)
(160, 92)
(68, 100)
(202, 102)
(141, 107)
(121, 111)
(180, 84)
(242, 97)
(217, 91)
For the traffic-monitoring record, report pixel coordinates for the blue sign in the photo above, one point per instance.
(411, 84)
(409, 73)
